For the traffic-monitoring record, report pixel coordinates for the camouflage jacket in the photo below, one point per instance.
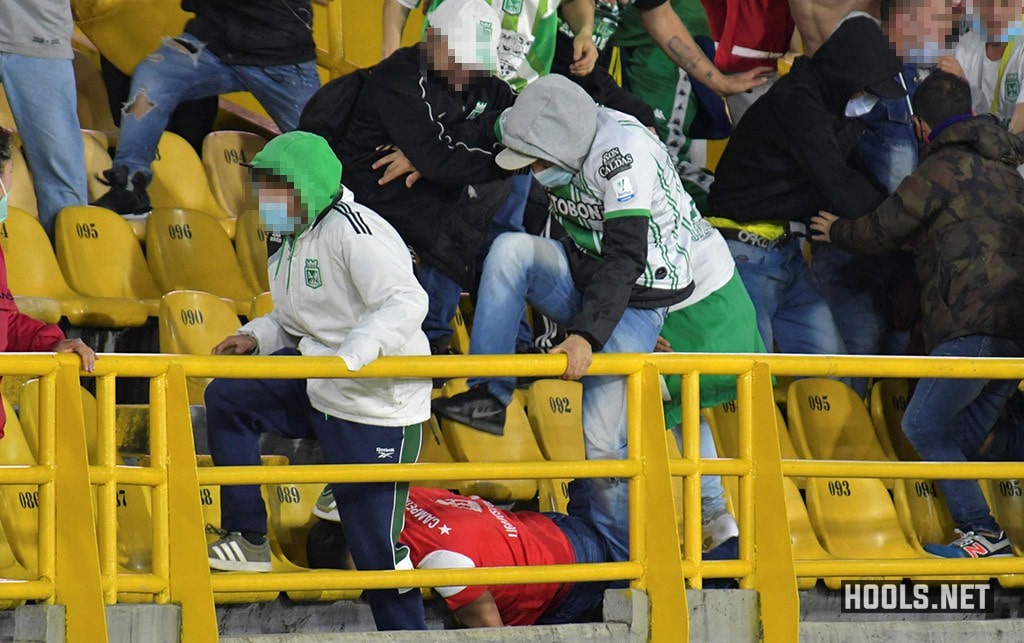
(962, 213)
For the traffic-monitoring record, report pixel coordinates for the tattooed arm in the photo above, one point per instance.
(668, 31)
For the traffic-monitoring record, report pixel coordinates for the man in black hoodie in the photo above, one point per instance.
(794, 153)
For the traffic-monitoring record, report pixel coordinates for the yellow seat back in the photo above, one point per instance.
(829, 421)
(189, 250)
(1006, 502)
(179, 180)
(93, 101)
(923, 513)
(517, 445)
(134, 503)
(19, 504)
(223, 153)
(32, 268)
(855, 518)
(555, 409)
(192, 323)
(44, 309)
(251, 250)
(889, 399)
(101, 257)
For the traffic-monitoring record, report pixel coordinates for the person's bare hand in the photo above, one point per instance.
(87, 354)
(236, 345)
(584, 52)
(950, 65)
(396, 164)
(662, 346)
(738, 83)
(822, 224)
(579, 352)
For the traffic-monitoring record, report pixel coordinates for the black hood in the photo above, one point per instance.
(856, 56)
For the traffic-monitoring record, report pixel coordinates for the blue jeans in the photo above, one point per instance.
(888, 144)
(791, 311)
(443, 293)
(521, 268)
(589, 547)
(948, 420)
(856, 289)
(184, 69)
(41, 92)
(712, 494)
(239, 411)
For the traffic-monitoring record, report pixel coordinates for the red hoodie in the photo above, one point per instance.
(19, 332)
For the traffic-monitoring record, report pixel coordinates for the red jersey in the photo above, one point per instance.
(19, 332)
(446, 530)
(748, 33)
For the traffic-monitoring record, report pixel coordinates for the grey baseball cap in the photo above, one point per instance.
(554, 120)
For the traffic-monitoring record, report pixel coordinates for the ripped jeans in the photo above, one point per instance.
(184, 69)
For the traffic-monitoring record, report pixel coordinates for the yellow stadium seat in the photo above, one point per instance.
(434, 448)
(922, 513)
(192, 323)
(97, 160)
(889, 399)
(262, 304)
(100, 256)
(251, 250)
(134, 504)
(106, 23)
(855, 518)
(93, 102)
(19, 504)
(291, 515)
(179, 180)
(781, 389)
(801, 534)
(517, 445)
(725, 428)
(23, 192)
(1006, 502)
(32, 270)
(189, 250)
(42, 308)
(223, 153)
(555, 410)
(828, 420)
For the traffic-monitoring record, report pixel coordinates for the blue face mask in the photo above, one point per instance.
(275, 219)
(554, 177)
(3, 203)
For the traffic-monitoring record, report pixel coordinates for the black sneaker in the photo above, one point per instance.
(127, 194)
(476, 408)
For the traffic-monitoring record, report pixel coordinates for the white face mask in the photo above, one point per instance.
(927, 54)
(860, 105)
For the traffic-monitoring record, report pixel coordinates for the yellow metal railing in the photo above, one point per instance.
(81, 572)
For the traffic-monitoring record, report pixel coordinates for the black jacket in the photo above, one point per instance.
(264, 33)
(449, 136)
(795, 152)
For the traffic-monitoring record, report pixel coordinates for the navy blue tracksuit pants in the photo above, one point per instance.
(239, 411)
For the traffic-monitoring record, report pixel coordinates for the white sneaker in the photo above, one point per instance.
(233, 553)
(326, 508)
(718, 529)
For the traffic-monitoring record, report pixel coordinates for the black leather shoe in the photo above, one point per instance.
(477, 408)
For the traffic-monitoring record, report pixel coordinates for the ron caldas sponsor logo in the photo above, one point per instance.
(614, 162)
(907, 598)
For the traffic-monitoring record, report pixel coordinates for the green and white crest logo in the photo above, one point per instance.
(1012, 86)
(313, 279)
(512, 7)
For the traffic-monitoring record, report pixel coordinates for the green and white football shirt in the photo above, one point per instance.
(527, 44)
(630, 173)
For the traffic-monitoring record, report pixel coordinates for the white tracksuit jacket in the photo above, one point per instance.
(345, 287)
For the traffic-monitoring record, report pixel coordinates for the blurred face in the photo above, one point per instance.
(279, 206)
(442, 62)
(919, 28)
(995, 18)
